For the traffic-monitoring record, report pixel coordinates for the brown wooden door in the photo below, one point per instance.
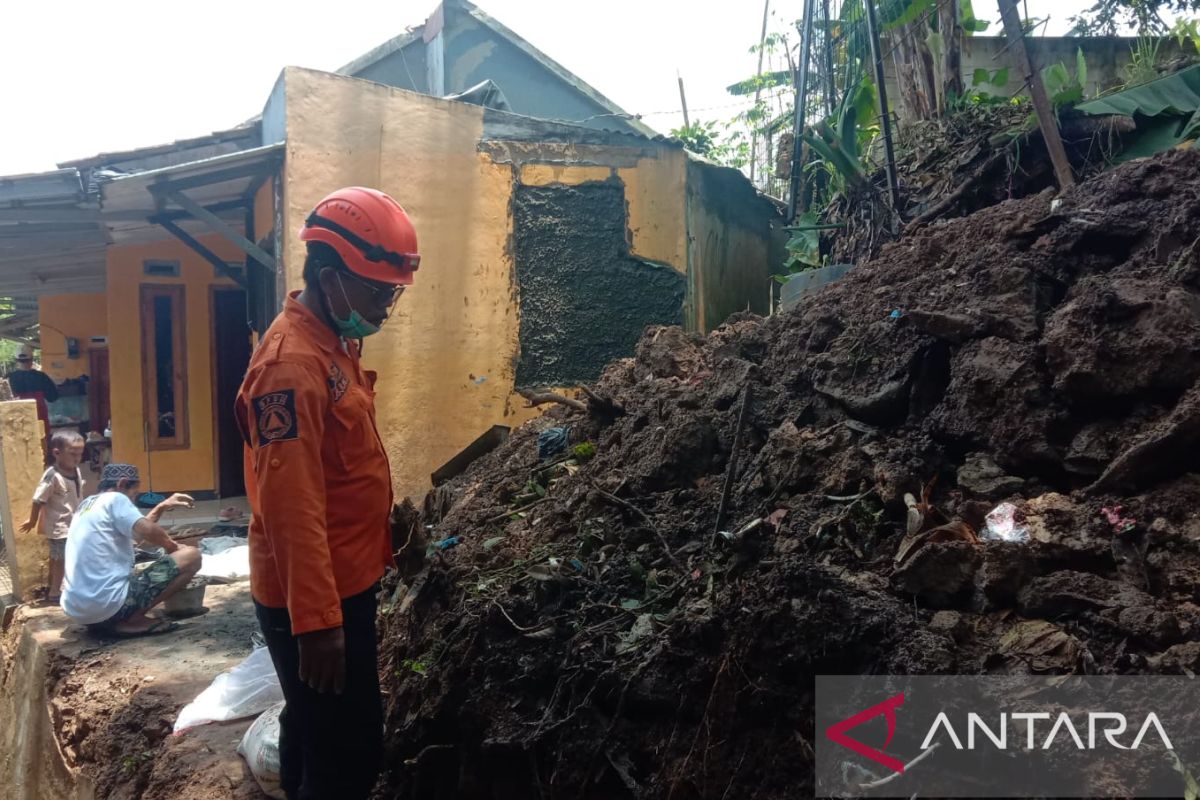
(231, 356)
(99, 408)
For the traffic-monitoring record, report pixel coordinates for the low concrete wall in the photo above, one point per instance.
(1106, 57)
(32, 766)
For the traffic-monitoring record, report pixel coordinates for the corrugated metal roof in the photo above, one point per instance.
(52, 238)
(181, 151)
(128, 201)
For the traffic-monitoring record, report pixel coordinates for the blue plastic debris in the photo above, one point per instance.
(577, 564)
(553, 441)
(446, 544)
(896, 314)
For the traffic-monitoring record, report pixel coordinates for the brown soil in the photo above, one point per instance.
(611, 644)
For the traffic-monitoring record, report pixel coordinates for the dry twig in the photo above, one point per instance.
(542, 398)
(630, 507)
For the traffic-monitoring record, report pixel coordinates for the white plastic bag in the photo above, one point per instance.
(260, 748)
(232, 564)
(213, 545)
(248, 689)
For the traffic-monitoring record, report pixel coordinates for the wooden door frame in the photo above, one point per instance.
(183, 438)
(99, 425)
(213, 289)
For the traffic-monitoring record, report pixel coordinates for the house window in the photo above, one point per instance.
(164, 368)
(160, 269)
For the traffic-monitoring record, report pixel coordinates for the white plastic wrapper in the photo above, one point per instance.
(260, 748)
(248, 689)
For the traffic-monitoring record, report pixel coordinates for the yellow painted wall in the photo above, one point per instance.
(565, 174)
(61, 315)
(447, 357)
(191, 468)
(657, 197)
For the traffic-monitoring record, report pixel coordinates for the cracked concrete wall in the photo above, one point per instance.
(584, 297)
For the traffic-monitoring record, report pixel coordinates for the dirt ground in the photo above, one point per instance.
(596, 633)
(113, 703)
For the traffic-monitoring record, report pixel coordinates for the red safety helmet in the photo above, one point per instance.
(369, 230)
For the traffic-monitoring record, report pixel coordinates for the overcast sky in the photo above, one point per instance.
(82, 77)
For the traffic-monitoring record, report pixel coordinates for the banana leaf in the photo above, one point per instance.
(1157, 135)
(970, 24)
(1172, 94)
(1167, 111)
(909, 13)
(767, 80)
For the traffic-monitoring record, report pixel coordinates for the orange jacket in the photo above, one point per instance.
(317, 475)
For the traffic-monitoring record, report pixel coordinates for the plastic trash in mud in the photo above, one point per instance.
(553, 441)
(1005, 523)
(260, 748)
(1117, 519)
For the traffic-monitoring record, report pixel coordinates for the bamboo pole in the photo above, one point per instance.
(762, 41)
(885, 117)
(1047, 120)
(801, 103)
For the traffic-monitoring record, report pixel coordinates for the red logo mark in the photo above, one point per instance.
(837, 732)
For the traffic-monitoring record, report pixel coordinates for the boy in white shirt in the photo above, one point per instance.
(54, 503)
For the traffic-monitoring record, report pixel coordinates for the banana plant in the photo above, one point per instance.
(838, 141)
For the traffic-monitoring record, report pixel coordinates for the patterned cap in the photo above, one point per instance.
(113, 473)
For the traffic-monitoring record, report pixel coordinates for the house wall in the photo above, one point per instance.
(475, 53)
(81, 316)
(191, 468)
(736, 244)
(448, 358)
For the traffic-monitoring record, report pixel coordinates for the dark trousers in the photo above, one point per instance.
(330, 745)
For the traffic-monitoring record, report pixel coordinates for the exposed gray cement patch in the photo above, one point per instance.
(584, 299)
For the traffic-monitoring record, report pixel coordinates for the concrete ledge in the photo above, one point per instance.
(84, 718)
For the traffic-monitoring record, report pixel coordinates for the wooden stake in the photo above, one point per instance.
(731, 467)
(1047, 120)
(683, 101)
(762, 40)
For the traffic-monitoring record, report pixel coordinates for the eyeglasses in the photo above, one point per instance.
(384, 295)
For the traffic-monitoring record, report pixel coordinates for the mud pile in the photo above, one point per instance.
(972, 159)
(596, 633)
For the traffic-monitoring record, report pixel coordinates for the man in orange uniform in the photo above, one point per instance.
(321, 492)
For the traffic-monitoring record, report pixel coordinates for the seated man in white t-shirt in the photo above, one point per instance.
(101, 589)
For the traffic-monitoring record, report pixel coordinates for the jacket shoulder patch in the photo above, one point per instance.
(275, 416)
